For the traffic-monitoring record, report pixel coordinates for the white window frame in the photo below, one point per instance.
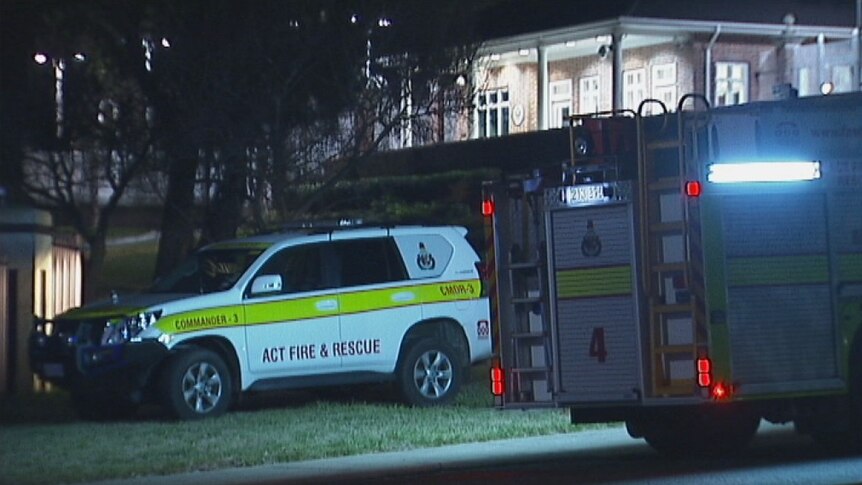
(492, 114)
(634, 88)
(561, 102)
(589, 89)
(805, 83)
(663, 83)
(842, 78)
(731, 83)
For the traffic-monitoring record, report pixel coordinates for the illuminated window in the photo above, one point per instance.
(731, 83)
(663, 78)
(492, 113)
(805, 86)
(561, 102)
(589, 95)
(634, 88)
(842, 79)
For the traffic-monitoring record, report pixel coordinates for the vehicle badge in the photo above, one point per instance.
(425, 260)
(591, 245)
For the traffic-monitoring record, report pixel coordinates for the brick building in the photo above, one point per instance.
(560, 59)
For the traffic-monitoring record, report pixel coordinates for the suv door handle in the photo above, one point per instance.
(326, 305)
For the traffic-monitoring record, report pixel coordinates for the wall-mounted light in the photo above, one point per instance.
(827, 88)
(524, 52)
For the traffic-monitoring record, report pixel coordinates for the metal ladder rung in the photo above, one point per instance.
(666, 183)
(525, 265)
(669, 267)
(528, 335)
(666, 226)
(663, 144)
(674, 308)
(525, 300)
(675, 349)
(531, 370)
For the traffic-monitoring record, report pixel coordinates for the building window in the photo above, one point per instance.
(588, 101)
(663, 79)
(805, 83)
(634, 88)
(731, 83)
(492, 113)
(842, 79)
(561, 102)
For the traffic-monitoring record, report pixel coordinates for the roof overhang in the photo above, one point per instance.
(663, 28)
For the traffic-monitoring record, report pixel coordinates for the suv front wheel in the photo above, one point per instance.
(430, 373)
(196, 384)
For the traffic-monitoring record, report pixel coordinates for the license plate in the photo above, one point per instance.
(585, 193)
(53, 370)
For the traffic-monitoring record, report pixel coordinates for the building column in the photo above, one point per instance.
(542, 86)
(617, 72)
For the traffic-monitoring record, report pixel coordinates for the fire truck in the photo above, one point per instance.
(688, 272)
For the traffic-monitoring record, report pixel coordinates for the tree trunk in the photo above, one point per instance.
(225, 214)
(94, 266)
(178, 217)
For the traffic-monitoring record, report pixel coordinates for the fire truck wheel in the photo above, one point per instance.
(711, 431)
(430, 373)
(196, 384)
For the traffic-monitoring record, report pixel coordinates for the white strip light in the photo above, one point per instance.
(728, 173)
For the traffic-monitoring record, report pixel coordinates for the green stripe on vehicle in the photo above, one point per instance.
(778, 270)
(295, 309)
(590, 282)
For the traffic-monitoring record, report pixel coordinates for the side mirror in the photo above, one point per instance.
(268, 283)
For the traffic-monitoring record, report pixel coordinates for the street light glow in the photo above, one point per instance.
(80, 57)
(40, 58)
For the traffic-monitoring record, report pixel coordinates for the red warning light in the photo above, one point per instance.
(693, 188)
(488, 208)
(720, 391)
(704, 366)
(497, 386)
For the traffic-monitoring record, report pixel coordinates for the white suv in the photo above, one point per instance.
(290, 310)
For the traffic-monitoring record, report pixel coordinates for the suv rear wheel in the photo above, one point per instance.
(196, 384)
(430, 373)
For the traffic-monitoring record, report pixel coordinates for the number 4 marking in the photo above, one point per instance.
(597, 345)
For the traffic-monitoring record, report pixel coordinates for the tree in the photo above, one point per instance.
(275, 94)
(85, 150)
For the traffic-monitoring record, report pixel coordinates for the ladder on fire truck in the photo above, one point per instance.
(671, 245)
(525, 282)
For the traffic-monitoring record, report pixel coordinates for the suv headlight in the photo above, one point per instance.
(118, 331)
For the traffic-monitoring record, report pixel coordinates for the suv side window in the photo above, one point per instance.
(302, 268)
(369, 261)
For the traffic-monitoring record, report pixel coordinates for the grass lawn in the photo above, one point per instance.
(43, 443)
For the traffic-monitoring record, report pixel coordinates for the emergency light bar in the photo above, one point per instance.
(728, 173)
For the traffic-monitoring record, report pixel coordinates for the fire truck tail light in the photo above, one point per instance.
(497, 381)
(693, 188)
(704, 372)
(778, 171)
(487, 208)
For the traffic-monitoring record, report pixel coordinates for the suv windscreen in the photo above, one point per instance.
(208, 271)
